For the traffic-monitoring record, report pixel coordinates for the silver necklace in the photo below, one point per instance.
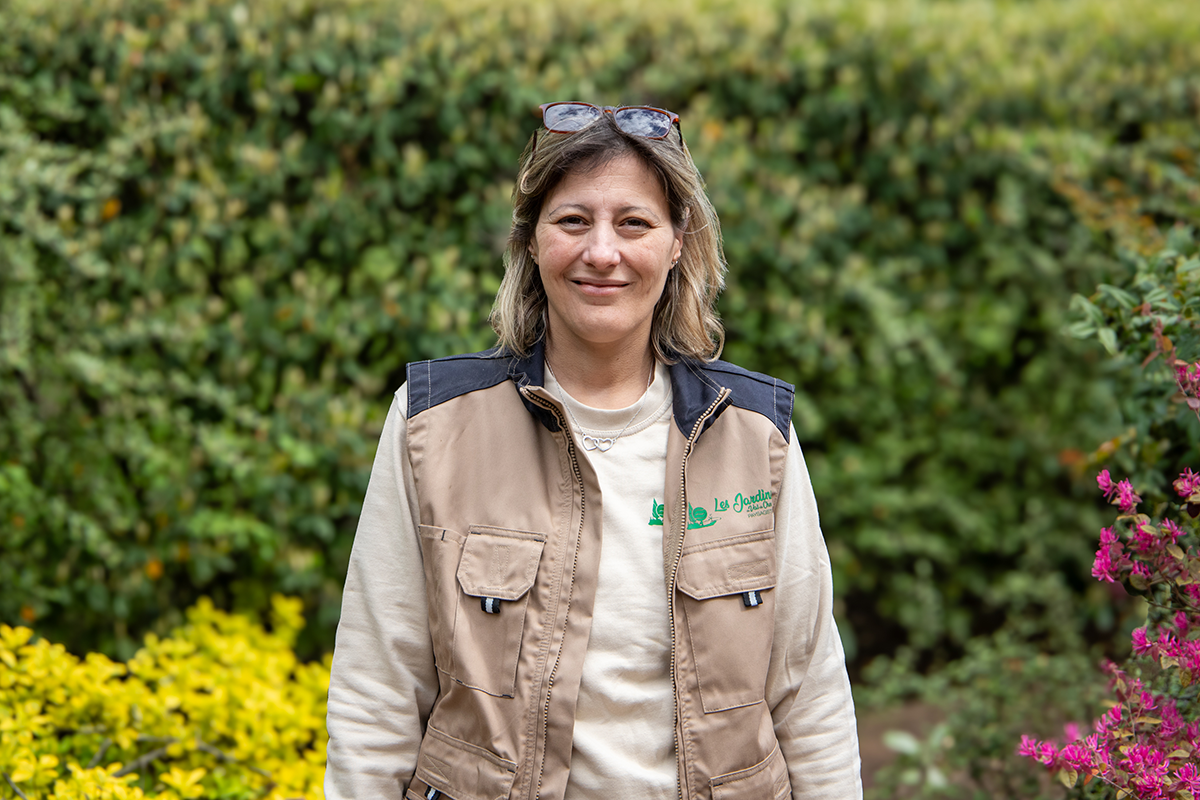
(601, 443)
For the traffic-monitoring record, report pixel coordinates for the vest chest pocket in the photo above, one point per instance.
(730, 611)
(497, 570)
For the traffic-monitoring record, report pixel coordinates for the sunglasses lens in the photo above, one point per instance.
(569, 117)
(644, 122)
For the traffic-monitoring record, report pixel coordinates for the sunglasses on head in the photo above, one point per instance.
(645, 121)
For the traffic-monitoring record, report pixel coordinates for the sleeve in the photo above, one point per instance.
(808, 689)
(383, 680)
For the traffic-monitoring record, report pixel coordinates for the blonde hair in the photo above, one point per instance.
(685, 320)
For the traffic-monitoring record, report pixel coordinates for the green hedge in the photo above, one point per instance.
(226, 227)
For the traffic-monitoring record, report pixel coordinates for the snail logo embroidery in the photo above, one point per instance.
(697, 517)
(754, 505)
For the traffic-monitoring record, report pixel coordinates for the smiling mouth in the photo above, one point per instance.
(598, 284)
(598, 288)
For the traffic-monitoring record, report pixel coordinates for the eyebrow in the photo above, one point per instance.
(643, 210)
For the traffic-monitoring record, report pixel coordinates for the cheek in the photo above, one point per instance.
(552, 252)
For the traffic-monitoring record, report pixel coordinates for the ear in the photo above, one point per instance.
(533, 250)
(679, 232)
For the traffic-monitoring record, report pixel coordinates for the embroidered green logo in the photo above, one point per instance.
(757, 504)
(697, 517)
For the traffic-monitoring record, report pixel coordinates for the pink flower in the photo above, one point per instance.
(1167, 645)
(1076, 756)
(1105, 482)
(1188, 376)
(1029, 747)
(1144, 538)
(1188, 654)
(1172, 722)
(1187, 483)
(1169, 528)
(1148, 766)
(1141, 570)
(1072, 732)
(1103, 568)
(1110, 719)
(1141, 645)
(1182, 623)
(1189, 776)
(1107, 536)
(1127, 499)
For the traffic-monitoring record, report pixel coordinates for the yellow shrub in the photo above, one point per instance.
(219, 709)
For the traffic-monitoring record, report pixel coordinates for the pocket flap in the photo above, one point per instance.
(728, 566)
(461, 770)
(500, 563)
(766, 779)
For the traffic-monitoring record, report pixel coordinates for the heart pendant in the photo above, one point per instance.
(603, 445)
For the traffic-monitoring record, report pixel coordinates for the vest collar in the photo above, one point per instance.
(693, 389)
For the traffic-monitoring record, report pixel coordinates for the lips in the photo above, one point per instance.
(597, 282)
(598, 287)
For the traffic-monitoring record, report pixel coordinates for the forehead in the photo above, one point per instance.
(626, 180)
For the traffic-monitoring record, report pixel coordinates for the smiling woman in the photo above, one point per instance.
(604, 245)
(559, 588)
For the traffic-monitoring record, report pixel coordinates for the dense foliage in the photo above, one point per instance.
(1147, 721)
(221, 708)
(225, 227)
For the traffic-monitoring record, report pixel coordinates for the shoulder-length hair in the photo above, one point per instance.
(685, 320)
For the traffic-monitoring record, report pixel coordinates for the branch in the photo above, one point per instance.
(208, 748)
(20, 794)
(140, 761)
(96, 759)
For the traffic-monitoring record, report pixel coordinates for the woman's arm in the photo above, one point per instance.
(807, 687)
(384, 681)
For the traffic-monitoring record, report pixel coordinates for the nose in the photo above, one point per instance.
(603, 249)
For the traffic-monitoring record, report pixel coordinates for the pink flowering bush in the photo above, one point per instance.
(1021, 680)
(1147, 745)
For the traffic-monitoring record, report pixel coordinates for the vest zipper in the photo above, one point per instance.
(675, 559)
(571, 454)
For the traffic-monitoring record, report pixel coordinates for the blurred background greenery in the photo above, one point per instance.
(225, 228)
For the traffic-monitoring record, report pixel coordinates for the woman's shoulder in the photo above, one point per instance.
(752, 391)
(431, 382)
(735, 374)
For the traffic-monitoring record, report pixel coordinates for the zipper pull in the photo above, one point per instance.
(752, 598)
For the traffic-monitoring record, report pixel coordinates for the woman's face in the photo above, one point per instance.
(604, 244)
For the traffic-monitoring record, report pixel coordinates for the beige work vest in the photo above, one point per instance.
(510, 531)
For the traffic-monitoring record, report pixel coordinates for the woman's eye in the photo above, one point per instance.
(634, 222)
(571, 220)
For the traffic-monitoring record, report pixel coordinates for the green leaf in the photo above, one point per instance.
(901, 742)
(1122, 298)
(1108, 338)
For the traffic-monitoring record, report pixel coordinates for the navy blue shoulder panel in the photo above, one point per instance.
(696, 386)
(431, 383)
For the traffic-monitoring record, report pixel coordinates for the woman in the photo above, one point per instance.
(589, 562)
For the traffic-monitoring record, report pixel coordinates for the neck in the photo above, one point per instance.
(601, 379)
